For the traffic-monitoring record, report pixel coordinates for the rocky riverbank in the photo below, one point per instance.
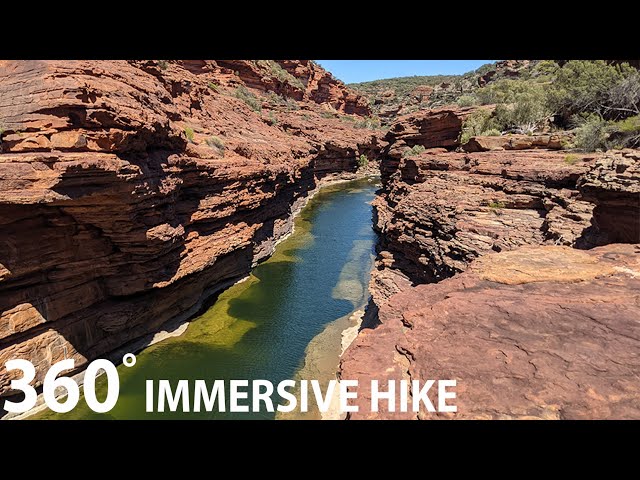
(483, 276)
(128, 190)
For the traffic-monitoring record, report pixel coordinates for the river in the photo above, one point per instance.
(262, 327)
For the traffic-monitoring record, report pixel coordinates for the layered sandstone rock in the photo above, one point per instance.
(439, 127)
(476, 279)
(440, 210)
(322, 87)
(537, 332)
(303, 80)
(614, 186)
(131, 190)
(555, 141)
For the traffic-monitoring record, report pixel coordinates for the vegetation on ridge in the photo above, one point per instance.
(598, 100)
(275, 70)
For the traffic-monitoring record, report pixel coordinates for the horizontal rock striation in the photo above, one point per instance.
(131, 190)
(535, 333)
(614, 186)
(555, 141)
(476, 279)
(442, 210)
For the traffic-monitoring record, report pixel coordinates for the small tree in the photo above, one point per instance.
(624, 97)
(478, 123)
(363, 161)
(589, 86)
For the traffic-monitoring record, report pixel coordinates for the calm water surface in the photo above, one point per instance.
(260, 328)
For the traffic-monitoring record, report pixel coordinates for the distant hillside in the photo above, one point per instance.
(398, 96)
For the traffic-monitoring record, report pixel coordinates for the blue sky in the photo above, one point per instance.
(354, 71)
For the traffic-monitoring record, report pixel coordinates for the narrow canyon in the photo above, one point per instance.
(131, 192)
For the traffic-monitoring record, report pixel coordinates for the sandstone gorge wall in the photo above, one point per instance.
(487, 274)
(129, 190)
(313, 83)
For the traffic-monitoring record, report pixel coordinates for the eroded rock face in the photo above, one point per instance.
(440, 210)
(614, 186)
(538, 332)
(555, 141)
(130, 190)
(476, 279)
(439, 127)
(322, 87)
(437, 130)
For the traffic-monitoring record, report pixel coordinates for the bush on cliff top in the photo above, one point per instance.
(415, 150)
(521, 104)
(275, 70)
(467, 101)
(595, 93)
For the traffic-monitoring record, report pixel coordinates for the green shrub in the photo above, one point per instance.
(370, 122)
(478, 123)
(287, 103)
(291, 104)
(348, 119)
(497, 205)
(213, 86)
(415, 150)
(363, 161)
(571, 159)
(467, 101)
(272, 119)
(586, 86)
(625, 133)
(163, 64)
(252, 101)
(595, 133)
(592, 133)
(521, 104)
(327, 114)
(624, 97)
(508, 91)
(492, 132)
(188, 131)
(545, 70)
(215, 142)
(275, 70)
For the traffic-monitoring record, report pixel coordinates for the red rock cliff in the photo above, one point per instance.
(299, 79)
(322, 87)
(476, 279)
(131, 190)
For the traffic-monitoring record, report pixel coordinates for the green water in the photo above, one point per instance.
(259, 329)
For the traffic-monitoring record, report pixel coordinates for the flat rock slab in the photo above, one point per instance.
(538, 332)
